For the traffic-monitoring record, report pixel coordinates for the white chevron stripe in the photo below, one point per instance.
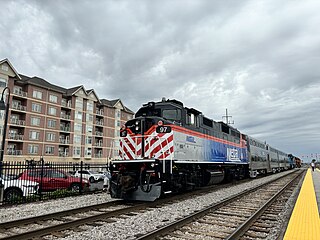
(159, 143)
(165, 149)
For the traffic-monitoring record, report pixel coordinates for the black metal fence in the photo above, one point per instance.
(29, 181)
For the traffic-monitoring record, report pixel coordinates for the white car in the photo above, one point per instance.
(92, 176)
(16, 188)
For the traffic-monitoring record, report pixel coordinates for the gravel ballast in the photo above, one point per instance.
(132, 226)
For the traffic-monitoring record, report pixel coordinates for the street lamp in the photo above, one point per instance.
(3, 106)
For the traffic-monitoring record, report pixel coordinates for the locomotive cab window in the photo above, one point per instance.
(192, 119)
(172, 114)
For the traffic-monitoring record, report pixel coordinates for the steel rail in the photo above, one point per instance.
(57, 215)
(184, 221)
(72, 223)
(248, 223)
(85, 220)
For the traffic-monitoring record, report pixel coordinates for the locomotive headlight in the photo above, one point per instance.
(152, 165)
(137, 128)
(137, 122)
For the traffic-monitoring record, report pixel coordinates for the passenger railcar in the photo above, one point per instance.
(258, 157)
(170, 148)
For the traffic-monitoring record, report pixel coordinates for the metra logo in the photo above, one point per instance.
(190, 139)
(233, 154)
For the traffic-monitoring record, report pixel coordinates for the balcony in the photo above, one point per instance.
(14, 152)
(19, 93)
(97, 133)
(65, 116)
(65, 128)
(63, 154)
(64, 141)
(99, 112)
(98, 155)
(65, 104)
(18, 122)
(19, 107)
(15, 136)
(98, 144)
(100, 123)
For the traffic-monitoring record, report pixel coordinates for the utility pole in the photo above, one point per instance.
(227, 117)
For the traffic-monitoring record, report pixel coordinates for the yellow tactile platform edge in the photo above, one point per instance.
(305, 220)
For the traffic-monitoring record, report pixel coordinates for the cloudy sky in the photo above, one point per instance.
(257, 58)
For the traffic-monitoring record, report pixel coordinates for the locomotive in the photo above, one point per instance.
(169, 148)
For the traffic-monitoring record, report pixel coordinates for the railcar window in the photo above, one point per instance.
(207, 122)
(172, 114)
(225, 129)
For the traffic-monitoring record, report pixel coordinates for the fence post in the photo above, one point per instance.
(1, 184)
(41, 178)
(81, 169)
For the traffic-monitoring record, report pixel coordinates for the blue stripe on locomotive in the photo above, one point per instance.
(221, 152)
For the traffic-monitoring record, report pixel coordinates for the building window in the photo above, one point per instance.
(78, 115)
(89, 117)
(88, 140)
(34, 135)
(79, 103)
(36, 107)
(76, 139)
(35, 121)
(33, 149)
(51, 137)
(53, 98)
(52, 123)
(37, 94)
(76, 151)
(89, 106)
(3, 83)
(52, 111)
(77, 127)
(88, 151)
(118, 123)
(17, 90)
(89, 129)
(50, 150)
(118, 113)
(5, 68)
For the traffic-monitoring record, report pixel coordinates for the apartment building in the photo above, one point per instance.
(58, 124)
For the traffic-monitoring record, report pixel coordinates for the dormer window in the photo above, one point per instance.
(5, 68)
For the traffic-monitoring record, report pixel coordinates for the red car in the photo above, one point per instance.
(53, 179)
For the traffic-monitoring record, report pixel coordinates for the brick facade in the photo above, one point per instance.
(58, 124)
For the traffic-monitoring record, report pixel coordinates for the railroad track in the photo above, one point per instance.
(55, 223)
(249, 215)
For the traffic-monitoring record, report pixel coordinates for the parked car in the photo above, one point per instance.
(16, 188)
(92, 176)
(53, 179)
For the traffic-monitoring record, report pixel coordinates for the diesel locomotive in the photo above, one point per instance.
(169, 148)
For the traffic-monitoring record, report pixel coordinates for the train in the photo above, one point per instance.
(169, 148)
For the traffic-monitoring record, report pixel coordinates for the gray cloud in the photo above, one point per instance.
(256, 58)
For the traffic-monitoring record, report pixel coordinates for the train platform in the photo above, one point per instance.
(305, 219)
